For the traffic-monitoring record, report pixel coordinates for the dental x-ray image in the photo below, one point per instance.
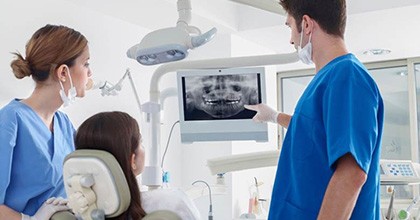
(218, 97)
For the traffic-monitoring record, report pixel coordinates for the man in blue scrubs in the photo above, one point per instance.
(329, 163)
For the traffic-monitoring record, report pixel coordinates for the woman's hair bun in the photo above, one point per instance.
(20, 67)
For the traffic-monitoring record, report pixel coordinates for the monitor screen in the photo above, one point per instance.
(212, 104)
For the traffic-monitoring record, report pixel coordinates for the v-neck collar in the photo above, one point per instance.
(38, 116)
(54, 134)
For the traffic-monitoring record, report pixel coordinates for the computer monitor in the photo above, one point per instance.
(211, 104)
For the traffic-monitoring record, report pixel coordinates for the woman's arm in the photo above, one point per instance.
(7, 213)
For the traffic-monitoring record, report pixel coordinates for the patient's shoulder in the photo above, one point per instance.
(169, 196)
(170, 199)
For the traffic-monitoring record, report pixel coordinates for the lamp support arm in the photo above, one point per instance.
(262, 60)
(184, 11)
(136, 95)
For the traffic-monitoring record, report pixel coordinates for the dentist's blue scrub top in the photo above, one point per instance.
(340, 112)
(31, 157)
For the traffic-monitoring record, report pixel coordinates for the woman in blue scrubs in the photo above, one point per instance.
(34, 136)
(329, 163)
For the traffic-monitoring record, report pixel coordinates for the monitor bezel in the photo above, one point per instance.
(248, 128)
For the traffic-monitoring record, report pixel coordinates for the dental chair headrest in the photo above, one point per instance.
(95, 183)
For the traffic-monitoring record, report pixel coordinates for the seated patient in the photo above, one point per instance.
(119, 134)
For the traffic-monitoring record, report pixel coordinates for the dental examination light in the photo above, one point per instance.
(109, 89)
(171, 44)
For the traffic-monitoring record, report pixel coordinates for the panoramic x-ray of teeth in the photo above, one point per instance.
(220, 96)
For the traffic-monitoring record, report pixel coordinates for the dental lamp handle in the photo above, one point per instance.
(203, 38)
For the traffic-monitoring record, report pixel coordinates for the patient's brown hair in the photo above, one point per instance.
(119, 134)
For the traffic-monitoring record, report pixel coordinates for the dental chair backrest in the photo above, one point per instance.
(95, 185)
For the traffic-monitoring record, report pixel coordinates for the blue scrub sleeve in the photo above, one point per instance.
(350, 111)
(8, 132)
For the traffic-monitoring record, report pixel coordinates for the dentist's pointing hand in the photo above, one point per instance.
(264, 113)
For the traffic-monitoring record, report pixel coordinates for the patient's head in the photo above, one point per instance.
(117, 133)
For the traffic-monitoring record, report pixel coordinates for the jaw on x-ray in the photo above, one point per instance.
(220, 96)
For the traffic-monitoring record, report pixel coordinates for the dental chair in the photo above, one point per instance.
(97, 189)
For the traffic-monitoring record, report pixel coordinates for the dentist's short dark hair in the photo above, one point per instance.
(329, 14)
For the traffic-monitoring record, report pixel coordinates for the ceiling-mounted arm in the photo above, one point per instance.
(184, 12)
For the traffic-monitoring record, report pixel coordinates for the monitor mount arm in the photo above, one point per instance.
(152, 175)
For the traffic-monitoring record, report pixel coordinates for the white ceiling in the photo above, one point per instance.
(162, 13)
(362, 6)
(267, 29)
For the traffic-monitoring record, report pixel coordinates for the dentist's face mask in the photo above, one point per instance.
(305, 53)
(71, 94)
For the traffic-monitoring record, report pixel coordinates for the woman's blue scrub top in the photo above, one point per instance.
(340, 112)
(31, 157)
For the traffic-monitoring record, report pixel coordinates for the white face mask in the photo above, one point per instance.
(305, 53)
(71, 94)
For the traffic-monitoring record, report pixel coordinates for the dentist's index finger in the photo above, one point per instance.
(251, 107)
